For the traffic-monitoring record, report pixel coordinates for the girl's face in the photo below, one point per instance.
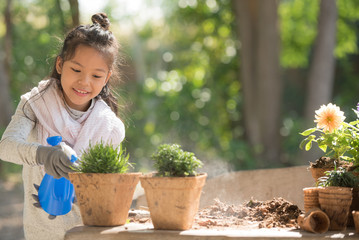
(83, 76)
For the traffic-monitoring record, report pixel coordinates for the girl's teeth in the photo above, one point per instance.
(81, 91)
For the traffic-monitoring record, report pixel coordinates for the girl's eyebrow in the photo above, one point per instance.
(77, 63)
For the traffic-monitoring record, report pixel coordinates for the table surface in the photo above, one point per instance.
(146, 231)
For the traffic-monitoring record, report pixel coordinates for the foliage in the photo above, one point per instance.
(103, 158)
(338, 178)
(341, 143)
(191, 93)
(186, 88)
(298, 20)
(172, 161)
(298, 31)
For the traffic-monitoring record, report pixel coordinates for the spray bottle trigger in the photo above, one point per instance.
(54, 141)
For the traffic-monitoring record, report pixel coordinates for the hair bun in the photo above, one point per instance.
(101, 19)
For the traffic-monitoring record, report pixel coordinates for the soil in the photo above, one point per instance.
(275, 213)
(324, 162)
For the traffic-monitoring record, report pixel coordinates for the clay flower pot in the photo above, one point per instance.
(353, 207)
(335, 202)
(319, 172)
(173, 201)
(311, 198)
(315, 220)
(356, 220)
(104, 198)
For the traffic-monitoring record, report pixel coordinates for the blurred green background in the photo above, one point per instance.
(183, 83)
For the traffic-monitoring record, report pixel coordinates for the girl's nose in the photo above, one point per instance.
(84, 80)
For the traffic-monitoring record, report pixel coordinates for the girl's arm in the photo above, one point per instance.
(13, 145)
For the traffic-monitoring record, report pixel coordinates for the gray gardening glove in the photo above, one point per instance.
(55, 161)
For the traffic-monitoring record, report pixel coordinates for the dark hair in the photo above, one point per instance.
(100, 38)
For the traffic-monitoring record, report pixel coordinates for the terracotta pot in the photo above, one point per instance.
(319, 172)
(310, 198)
(315, 220)
(104, 198)
(356, 220)
(353, 207)
(173, 201)
(335, 202)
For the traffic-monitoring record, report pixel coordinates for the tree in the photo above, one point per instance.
(75, 13)
(321, 73)
(257, 28)
(5, 99)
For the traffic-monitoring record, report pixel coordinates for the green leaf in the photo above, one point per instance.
(302, 143)
(353, 123)
(308, 131)
(308, 146)
(323, 147)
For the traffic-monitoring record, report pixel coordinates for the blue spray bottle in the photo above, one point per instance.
(56, 196)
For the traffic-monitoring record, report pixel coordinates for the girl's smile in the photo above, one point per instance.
(83, 76)
(80, 93)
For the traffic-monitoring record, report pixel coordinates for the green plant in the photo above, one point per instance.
(172, 161)
(338, 178)
(337, 138)
(103, 158)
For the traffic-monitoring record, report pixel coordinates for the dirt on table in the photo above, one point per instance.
(275, 213)
(253, 214)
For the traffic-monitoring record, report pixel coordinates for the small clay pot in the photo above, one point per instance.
(356, 220)
(353, 207)
(311, 198)
(319, 172)
(173, 201)
(315, 220)
(335, 202)
(104, 198)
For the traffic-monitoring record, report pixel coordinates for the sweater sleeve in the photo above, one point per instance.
(13, 145)
(118, 133)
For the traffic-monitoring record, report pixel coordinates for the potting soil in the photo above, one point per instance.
(275, 213)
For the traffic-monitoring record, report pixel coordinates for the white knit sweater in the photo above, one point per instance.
(18, 145)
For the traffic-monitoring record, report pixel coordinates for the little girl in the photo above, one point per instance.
(75, 103)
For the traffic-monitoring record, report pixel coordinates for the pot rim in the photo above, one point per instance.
(336, 187)
(152, 175)
(129, 173)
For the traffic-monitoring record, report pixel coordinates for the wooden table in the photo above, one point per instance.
(145, 231)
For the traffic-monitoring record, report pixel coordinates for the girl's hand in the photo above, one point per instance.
(55, 161)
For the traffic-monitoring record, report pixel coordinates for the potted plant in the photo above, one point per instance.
(338, 139)
(335, 196)
(103, 187)
(174, 191)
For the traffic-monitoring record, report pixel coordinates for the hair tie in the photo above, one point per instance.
(102, 20)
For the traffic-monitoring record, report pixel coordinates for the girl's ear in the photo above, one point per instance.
(59, 64)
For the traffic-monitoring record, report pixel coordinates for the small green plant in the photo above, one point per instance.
(103, 158)
(338, 178)
(335, 137)
(172, 161)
